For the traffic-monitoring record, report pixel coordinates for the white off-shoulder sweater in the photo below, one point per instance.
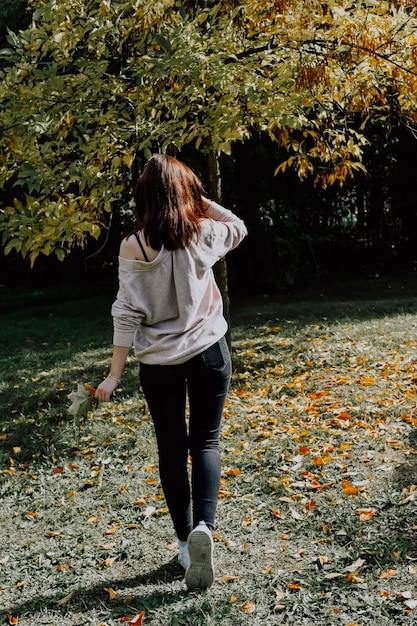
(170, 309)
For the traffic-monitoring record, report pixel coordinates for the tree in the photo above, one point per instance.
(88, 83)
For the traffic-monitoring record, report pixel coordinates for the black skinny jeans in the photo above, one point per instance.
(206, 378)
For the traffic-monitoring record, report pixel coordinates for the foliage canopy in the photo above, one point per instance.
(87, 83)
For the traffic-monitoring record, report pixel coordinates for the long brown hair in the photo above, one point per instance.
(169, 203)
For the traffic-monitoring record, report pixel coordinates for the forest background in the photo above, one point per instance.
(326, 184)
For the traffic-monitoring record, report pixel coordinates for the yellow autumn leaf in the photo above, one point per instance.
(112, 593)
(367, 380)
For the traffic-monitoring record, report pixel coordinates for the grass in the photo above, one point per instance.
(317, 517)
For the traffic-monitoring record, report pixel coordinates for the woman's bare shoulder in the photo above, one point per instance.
(129, 248)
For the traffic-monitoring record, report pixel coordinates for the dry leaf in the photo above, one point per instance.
(228, 579)
(247, 607)
(353, 578)
(82, 400)
(295, 514)
(365, 514)
(66, 599)
(355, 565)
(324, 559)
(11, 619)
(137, 620)
(388, 573)
(412, 604)
(349, 489)
(112, 529)
(112, 593)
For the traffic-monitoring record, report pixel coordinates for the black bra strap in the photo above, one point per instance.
(141, 247)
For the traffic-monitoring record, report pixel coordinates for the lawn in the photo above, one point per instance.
(317, 517)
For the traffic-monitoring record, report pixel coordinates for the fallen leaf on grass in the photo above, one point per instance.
(66, 599)
(324, 559)
(353, 578)
(229, 579)
(247, 607)
(355, 566)
(232, 471)
(349, 489)
(412, 604)
(404, 594)
(112, 593)
(365, 514)
(137, 620)
(112, 529)
(11, 619)
(388, 573)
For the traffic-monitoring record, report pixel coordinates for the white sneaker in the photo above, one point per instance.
(183, 556)
(200, 573)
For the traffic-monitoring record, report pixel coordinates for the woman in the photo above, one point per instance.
(169, 307)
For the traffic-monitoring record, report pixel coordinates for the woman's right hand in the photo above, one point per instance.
(105, 389)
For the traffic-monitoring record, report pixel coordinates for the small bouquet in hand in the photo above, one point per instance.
(82, 400)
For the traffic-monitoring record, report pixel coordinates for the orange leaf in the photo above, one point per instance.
(318, 460)
(293, 586)
(304, 450)
(137, 620)
(354, 578)
(229, 579)
(248, 607)
(12, 619)
(344, 415)
(349, 489)
(277, 514)
(388, 573)
(309, 505)
(232, 471)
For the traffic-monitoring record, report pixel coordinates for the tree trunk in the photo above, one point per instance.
(220, 269)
